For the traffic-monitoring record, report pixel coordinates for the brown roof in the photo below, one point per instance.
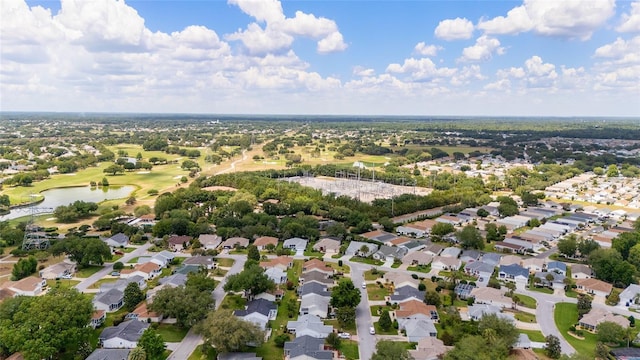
(179, 240)
(265, 240)
(147, 217)
(147, 267)
(400, 240)
(29, 283)
(594, 284)
(280, 260)
(6, 293)
(142, 311)
(316, 264)
(97, 314)
(413, 307)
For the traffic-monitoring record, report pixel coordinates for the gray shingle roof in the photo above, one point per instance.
(261, 306)
(309, 346)
(405, 292)
(112, 296)
(128, 330)
(314, 288)
(109, 354)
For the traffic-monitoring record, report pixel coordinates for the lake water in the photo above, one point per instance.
(65, 196)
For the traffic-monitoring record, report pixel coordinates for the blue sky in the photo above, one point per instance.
(502, 58)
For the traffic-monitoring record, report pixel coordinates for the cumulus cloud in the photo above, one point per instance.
(420, 69)
(279, 32)
(569, 18)
(620, 67)
(631, 21)
(362, 71)
(483, 49)
(454, 29)
(426, 50)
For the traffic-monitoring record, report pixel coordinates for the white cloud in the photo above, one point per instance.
(362, 71)
(619, 48)
(621, 66)
(454, 29)
(279, 32)
(420, 69)
(568, 18)
(426, 50)
(482, 50)
(631, 22)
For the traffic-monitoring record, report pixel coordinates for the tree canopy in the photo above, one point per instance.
(228, 333)
(84, 252)
(391, 350)
(252, 280)
(345, 294)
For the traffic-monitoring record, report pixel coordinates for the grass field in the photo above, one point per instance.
(369, 275)
(349, 349)
(525, 317)
(88, 271)
(225, 262)
(534, 335)
(527, 301)
(376, 293)
(171, 332)
(565, 316)
(63, 284)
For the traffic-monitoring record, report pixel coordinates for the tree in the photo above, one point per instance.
(118, 265)
(253, 253)
(137, 353)
(114, 169)
(610, 332)
(85, 252)
(228, 333)
(252, 280)
(201, 282)
(432, 297)
(492, 232)
(612, 171)
(391, 350)
(568, 245)
(614, 298)
(153, 344)
(385, 321)
(345, 294)
(333, 340)
(602, 351)
(47, 326)
(132, 296)
(441, 229)
(624, 242)
(504, 329)
(186, 304)
(508, 210)
(346, 316)
(634, 256)
(609, 266)
(552, 347)
(24, 268)
(482, 213)
(584, 304)
(470, 238)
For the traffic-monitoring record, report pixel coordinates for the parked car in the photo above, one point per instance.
(372, 330)
(364, 285)
(66, 277)
(344, 335)
(115, 273)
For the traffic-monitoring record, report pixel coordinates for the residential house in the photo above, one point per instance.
(429, 348)
(57, 271)
(557, 267)
(491, 296)
(418, 329)
(400, 279)
(297, 244)
(406, 293)
(118, 240)
(579, 271)
(411, 246)
(282, 262)
(309, 325)
(417, 258)
(443, 263)
(356, 249)
(379, 236)
(6, 294)
(209, 241)
(327, 246)
(148, 270)
(316, 276)
(29, 286)
(463, 291)
(205, 262)
(233, 242)
(479, 269)
(534, 265)
(557, 281)
(306, 348)
(317, 265)
(478, 311)
(109, 301)
(109, 354)
(179, 242)
(123, 336)
(452, 252)
(97, 318)
(142, 313)
(259, 312)
(174, 280)
(596, 316)
(262, 242)
(390, 253)
(315, 304)
(415, 309)
(594, 287)
(629, 296)
(276, 274)
(273, 295)
(469, 256)
(163, 258)
(514, 273)
(433, 249)
(417, 229)
(313, 288)
(506, 247)
(510, 260)
(238, 356)
(122, 283)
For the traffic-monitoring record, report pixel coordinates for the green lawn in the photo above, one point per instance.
(171, 332)
(225, 262)
(543, 290)
(525, 317)
(374, 309)
(534, 335)
(351, 328)
(376, 293)
(349, 349)
(565, 316)
(373, 262)
(420, 268)
(396, 264)
(133, 260)
(88, 271)
(293, 274)
(62, 283)
(527, 301)
(379, 331)
(199, 355)
(219, 272)
(369, 275)
(233, 302)
(97, 284)
(345, 269)
(571, 294)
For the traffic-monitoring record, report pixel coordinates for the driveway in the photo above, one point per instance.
(108, 267)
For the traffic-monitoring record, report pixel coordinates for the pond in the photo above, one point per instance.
(65, 196)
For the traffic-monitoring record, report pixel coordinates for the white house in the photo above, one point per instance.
(446, 263)
(123, 336)
(259, 312)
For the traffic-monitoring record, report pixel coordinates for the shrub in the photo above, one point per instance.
(422, 287)
(339, 262)
(281, 339)
(414, 276)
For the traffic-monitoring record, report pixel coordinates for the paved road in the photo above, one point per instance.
(184, 349)
(367, 342)
(108, 268)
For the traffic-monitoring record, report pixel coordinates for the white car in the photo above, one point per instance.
(66, 277)
(344, 335)
(372, 330)
(364, 285)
